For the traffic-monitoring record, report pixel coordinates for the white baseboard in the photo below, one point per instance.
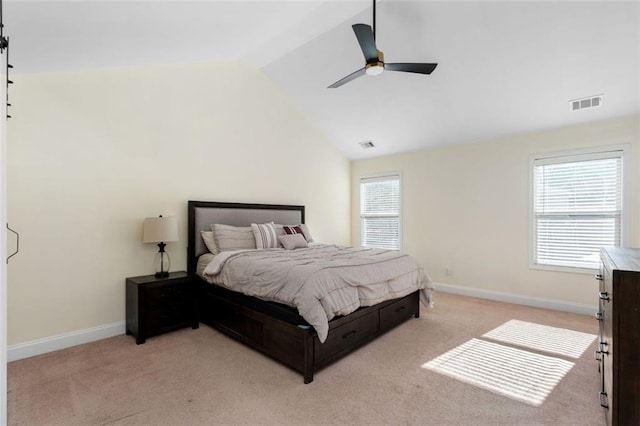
(62, 341)
(66, 340)
(536, 302)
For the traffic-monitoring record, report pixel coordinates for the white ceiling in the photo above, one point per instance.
(505, 67)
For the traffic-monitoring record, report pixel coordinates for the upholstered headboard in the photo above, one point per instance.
(201, 214)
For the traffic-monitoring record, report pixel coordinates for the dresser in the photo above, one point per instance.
(618, 351)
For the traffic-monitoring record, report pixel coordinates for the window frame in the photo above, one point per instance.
(400, 209)
(570, 156)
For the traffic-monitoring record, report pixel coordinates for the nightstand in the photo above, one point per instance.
(157, 305)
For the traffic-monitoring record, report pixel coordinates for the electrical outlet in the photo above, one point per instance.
(447, 271)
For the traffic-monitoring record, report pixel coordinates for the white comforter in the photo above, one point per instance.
(322, 281)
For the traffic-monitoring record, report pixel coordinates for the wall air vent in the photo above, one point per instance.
(589, 102)
(366, 144)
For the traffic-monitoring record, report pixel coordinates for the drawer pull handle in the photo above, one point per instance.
(349, 334)
(602, 397)
(599, 277)
(604, 296)
(400, 309)
(599, 316)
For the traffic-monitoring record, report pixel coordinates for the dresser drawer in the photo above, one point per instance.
(397, 312)
(346, 335)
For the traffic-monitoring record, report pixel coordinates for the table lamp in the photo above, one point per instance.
(160, 230)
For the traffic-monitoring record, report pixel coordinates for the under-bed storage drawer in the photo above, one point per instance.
(398, 312)
(345, 336)
(236, 320)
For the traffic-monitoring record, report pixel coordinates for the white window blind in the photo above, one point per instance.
(380, 212)
(577, 208)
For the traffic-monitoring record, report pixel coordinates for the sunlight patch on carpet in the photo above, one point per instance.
(542, 337)
(517, 374)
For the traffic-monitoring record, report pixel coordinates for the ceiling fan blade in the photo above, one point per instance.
(364, 34)
(409, 67)
(348, 78)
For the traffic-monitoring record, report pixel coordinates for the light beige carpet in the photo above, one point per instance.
(201, 377)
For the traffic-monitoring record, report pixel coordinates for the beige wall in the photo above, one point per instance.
(91, 154)
(467, 208)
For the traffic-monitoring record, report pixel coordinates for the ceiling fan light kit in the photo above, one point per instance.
(374, 58)
(374, 68)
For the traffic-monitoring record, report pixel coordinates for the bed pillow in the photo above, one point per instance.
(207, 237)
(298, 229)
(279, 229)
(293, 241)
(229, 238)
(265, 235)
(307, 234)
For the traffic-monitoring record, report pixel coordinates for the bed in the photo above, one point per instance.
(274, 328)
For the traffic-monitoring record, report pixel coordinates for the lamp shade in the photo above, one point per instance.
(160, 229)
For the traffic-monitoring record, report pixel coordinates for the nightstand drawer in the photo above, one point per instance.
(184, 308)
(167, 294)
(160, 321)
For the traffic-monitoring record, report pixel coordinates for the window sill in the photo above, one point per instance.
(552, 268)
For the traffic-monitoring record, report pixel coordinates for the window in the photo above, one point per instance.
(380, 212)
(577, 208)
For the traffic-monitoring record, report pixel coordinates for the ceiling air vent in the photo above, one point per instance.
(366, 144)
(589, 102)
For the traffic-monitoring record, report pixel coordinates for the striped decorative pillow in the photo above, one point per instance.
(265, 235)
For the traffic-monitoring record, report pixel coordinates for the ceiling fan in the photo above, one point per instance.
(375, 64)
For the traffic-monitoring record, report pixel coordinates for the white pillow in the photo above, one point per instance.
(229, 237)
(265, 235)
(307, 234)
(209, 241)
(293, 241)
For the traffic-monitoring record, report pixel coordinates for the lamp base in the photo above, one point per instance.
(162, 262)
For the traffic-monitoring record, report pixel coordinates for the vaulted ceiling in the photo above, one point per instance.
(504, 67)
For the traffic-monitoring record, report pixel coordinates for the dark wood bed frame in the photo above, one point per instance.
(276, 330)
